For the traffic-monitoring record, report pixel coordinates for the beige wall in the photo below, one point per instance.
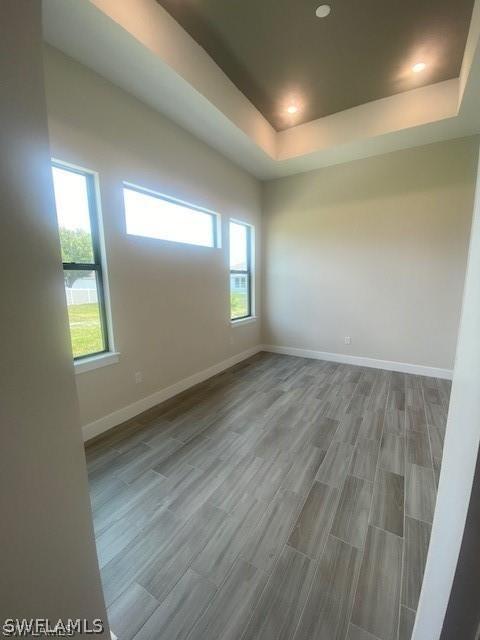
(48, 563)
(373, 249)
(170, 303)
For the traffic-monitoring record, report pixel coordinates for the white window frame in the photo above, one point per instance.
(251, 252)
(110, 356)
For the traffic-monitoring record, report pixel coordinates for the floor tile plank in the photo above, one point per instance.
(436, 442)
(365, 457)
(217, 557)
(335, 465)
(131, 610)
(420, 492)
(372, 425)
(351, 519)
(164, 569)
(349, 428)
(392, 453)
(417, 538)
(232, 606)
(355, 633)
(180, 610)
(416, 420)
(388, 502)
(324, 431)
(407, 620)
(377, 598)
(303, 471)
(436, 415)
(329, 603)
(279, 609)
(313, 524)
(395, 422)
(418, 449)
(266, 542)
(129, 563)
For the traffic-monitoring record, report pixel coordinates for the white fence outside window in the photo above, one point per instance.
(81, 296)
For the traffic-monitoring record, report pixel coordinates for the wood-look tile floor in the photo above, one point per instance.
(284, 499)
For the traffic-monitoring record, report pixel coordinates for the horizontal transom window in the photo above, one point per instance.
(152, 215)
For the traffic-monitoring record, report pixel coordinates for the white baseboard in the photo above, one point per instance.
(390, 365)
(130, 411)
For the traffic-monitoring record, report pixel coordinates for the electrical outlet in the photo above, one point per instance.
(138, 376)
(348, 340)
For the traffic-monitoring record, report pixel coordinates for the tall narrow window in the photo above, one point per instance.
(240, 270)
(82, 267)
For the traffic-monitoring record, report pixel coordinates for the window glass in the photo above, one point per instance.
(238, 247)
(153, 216)
(84, 313)
(71, 200)
(238, 297)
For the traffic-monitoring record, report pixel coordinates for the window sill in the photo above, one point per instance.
(242, 321)
(96, 362)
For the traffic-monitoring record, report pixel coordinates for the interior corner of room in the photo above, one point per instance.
(241, 354)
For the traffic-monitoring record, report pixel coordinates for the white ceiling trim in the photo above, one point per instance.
(138, 46)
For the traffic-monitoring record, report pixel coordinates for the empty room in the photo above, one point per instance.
(240, 345)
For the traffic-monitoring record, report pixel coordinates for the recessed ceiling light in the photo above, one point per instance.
(323, 11)
(418, 67)
(292, 108)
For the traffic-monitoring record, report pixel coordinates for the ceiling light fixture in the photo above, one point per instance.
(418, 67)
(292, 109)
(323, 11)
